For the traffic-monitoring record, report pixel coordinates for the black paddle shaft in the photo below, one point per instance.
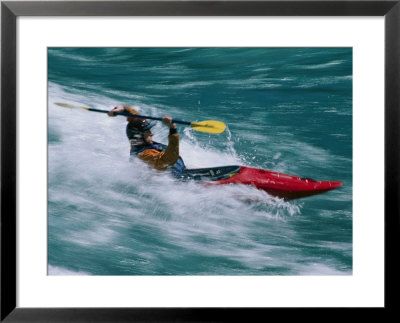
(127, 114)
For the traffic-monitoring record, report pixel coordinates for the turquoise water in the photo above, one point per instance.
(286, 109)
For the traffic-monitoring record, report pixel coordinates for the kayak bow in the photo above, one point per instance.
(281, 185)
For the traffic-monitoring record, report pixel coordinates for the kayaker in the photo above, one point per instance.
(159, 156)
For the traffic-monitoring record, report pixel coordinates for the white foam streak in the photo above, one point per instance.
(59, 271)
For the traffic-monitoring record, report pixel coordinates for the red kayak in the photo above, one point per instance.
(276, 184)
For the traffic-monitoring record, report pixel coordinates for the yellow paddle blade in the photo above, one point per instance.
(66, 105)
(210, 126)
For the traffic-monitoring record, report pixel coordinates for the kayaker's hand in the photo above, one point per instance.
(167, 121)
(116, 109)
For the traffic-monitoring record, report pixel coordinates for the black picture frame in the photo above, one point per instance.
(10, 10)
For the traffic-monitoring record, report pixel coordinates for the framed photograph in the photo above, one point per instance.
(197, 160)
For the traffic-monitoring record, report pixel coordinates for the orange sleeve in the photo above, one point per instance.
(132, 111)
(161, 160)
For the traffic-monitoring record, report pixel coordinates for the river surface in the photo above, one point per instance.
(286, 109)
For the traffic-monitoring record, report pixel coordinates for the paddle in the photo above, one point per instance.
(209, 126)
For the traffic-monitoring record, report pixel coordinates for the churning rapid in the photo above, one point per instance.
(286, 109)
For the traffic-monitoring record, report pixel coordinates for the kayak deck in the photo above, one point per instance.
(276, 184)
(210, 174)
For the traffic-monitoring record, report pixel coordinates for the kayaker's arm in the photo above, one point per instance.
(121, 108)
(116, 109)
(171, 153)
